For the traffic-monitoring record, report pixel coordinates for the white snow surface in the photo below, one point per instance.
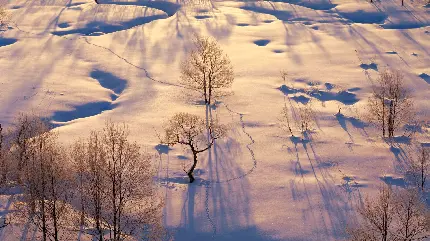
(80, 64)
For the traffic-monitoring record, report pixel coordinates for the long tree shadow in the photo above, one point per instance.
(330, 218)
(210, 211)
(356, 123)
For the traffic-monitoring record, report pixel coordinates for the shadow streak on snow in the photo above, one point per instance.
(209, 211)
(7, 41)
(168, 7)
(344, 97)
(83, 111)
(110, 81)
(392, 181)
(356, 123)
(248, 234)
(329, 218)
(102, 27)
(425, 77)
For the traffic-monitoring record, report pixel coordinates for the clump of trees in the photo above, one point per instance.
(115, 184)
(103, 183)
(192, 131)
(390, 105)
(392, 215)
(207, 69)
(4, 18)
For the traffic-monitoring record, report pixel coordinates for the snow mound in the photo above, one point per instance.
(361, 13)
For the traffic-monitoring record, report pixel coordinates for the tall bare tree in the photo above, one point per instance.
(190, 130)
(45, 184)
(390, 105)
(420, 167)
(207, 69)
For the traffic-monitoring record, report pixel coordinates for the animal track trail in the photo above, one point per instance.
(248, 146)
(208, 215)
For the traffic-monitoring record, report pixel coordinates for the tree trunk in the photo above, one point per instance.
(2, 158)
(391, 119)
(54, 209)
(190, 172)
(423, 174)
(210, 92)
(383, 117)
(205, 90)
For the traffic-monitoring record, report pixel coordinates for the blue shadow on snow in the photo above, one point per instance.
(97, 26)
(82, 111)
(7, 41)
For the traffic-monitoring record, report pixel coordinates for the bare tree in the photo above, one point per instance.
(420, 167)
(390, 105)
(24, 128)
(115, 188)
(3, 159)
(392, 216)
(45, 184)
(378, 215)
(190, 130)
(206, 69)
(4, 169)
(410, 217)
(23, 132)
(4, 18)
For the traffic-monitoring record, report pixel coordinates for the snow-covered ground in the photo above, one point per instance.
(80, 63)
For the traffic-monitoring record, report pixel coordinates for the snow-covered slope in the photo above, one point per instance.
(80, 63)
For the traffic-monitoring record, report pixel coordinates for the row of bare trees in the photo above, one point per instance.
(395, 214)
(100, 186)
